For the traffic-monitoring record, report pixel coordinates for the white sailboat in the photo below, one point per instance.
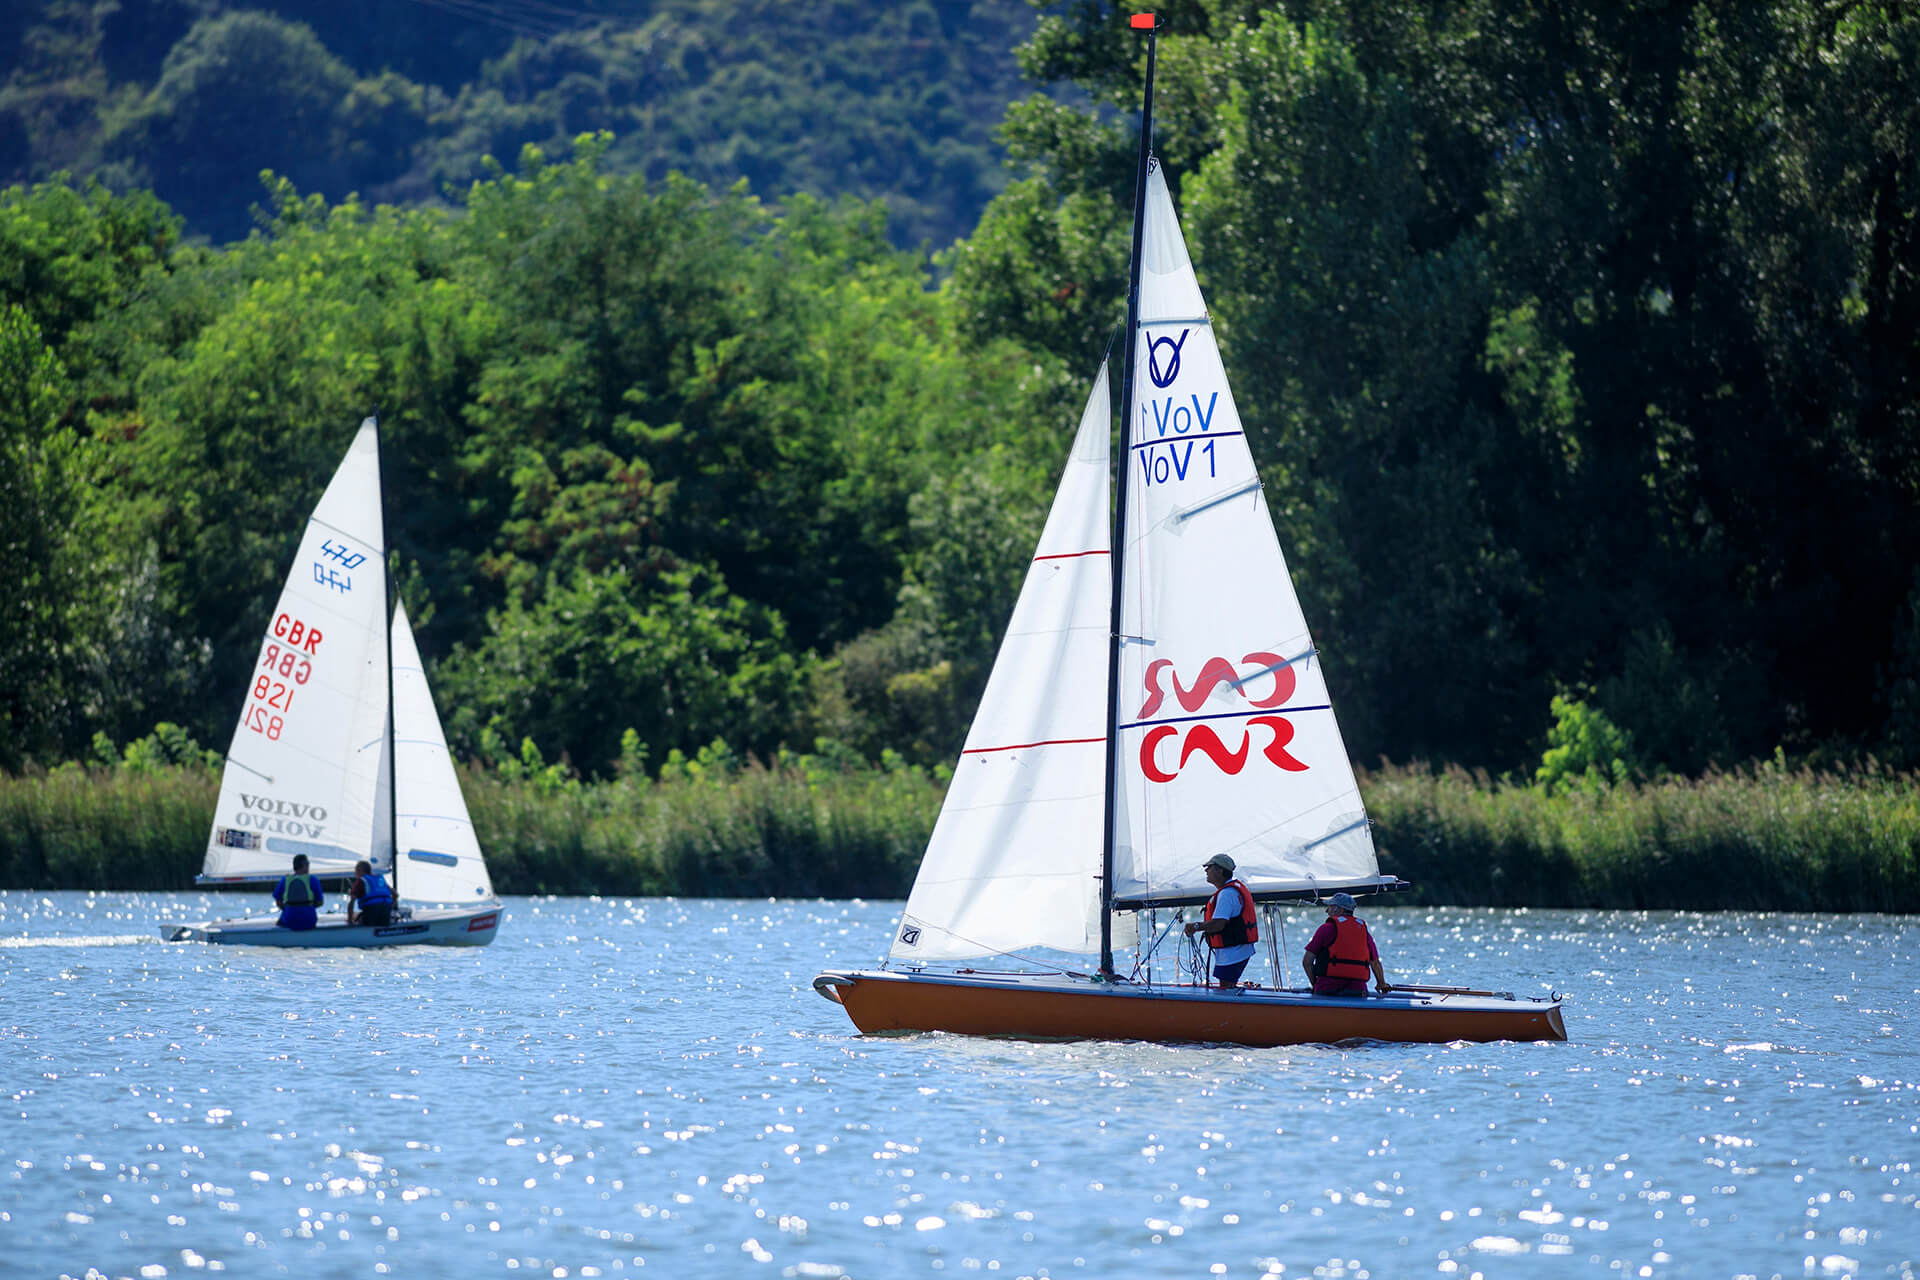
(1149, 709)
(339, 754)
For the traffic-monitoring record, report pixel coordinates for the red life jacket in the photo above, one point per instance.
(1350, 956)
(1240, 930)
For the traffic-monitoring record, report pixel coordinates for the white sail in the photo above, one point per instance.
(1227, 739)
(1014, 861)
(440, 858)
(304, 767)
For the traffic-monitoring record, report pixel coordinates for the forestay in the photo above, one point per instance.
(1227, 737)
(304, 769)
(440, 857)
(1014, 861)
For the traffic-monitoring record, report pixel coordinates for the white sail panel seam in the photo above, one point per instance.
(1227, 715)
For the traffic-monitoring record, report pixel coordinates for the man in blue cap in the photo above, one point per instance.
(1341, 952)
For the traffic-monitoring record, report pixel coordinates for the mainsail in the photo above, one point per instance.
(306, 764)
(1014, 861)
(1227, 736)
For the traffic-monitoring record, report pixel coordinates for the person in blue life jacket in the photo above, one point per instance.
(1341, 953)
(299, 897)
(369, 897)
(1229, 923)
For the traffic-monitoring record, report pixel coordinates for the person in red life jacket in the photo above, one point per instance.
(1229, 923)
(298, 896)
(1341, 952)
(369, 897)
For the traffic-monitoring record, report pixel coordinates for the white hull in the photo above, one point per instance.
(435, 926)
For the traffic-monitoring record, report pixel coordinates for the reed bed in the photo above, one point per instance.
(1766, 837)
(799, 827)
(1762, 838)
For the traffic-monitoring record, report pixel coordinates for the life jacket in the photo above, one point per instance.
(1240, 930)
(299, 892)
(1349, 957)
(374, 891)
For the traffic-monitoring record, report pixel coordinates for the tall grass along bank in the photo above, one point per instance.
(1764, 838)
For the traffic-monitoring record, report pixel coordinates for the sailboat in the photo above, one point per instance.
(339, 754)
(1156, 700)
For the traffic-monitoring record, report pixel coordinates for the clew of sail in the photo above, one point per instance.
(1014, 861)
(1227, 739)
(440, 858)
(303, 772)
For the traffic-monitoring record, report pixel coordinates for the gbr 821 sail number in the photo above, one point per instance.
(286, 662)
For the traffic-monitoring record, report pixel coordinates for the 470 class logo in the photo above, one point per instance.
(1200, 737)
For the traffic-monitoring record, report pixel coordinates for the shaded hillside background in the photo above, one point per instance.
(396, 100)
(1578, 346)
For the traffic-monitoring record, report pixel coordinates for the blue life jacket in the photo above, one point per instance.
(374, 890)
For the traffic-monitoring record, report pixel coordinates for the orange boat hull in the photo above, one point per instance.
(1055, 1009)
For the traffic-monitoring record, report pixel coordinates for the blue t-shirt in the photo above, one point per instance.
(304, 916)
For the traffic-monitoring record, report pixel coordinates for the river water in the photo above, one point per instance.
(650, 1087)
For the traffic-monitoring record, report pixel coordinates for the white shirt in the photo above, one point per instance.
(1226, 907)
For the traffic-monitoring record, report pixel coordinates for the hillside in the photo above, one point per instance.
(193, 98)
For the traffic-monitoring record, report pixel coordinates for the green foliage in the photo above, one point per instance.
(1584, 750)
(197, 97)
(1576, 343)
(50, 554)
(597, 656)
(1767, 837)
(710, 826)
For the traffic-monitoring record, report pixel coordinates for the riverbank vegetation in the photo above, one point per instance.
(1767, 837)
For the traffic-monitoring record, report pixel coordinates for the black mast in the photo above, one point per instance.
(1140, 22)
(386, 633)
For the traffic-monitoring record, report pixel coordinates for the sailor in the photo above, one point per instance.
(1229, 923)
(298, 896)
(1341, 952)
(371, 893)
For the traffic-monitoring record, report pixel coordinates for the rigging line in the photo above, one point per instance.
(529, 11)
(475, 10)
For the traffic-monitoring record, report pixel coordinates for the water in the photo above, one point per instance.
(649, 1086)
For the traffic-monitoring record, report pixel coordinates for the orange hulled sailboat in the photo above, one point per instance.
(1156, 700)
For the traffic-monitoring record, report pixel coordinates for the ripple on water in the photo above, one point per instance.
(627, 1084)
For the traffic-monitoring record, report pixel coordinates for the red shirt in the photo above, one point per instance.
(1318, 944)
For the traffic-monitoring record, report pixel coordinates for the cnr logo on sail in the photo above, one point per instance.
(1198, 737)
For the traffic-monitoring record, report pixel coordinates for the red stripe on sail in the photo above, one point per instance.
(1071, 555)
(1021, 746)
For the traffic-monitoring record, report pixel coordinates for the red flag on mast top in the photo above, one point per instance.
(1141, 22)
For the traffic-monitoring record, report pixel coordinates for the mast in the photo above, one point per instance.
(386, 633)
(1139, 22)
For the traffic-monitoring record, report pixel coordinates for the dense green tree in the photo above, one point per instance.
(51, 582)
(1576, 343)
